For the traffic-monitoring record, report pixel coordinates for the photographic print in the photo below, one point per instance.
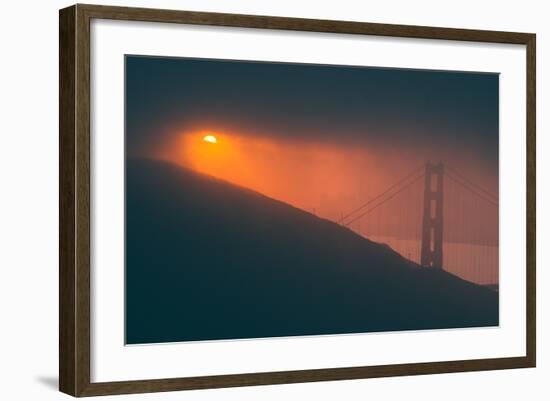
(273, 199)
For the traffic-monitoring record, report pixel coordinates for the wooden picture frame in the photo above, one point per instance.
(74, 205)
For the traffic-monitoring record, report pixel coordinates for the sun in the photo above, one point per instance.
(210, 138)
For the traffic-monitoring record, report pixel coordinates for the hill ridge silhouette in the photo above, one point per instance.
(220, 261)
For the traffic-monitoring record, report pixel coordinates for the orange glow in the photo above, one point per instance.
(322, 178)
(210, 138)
(328, 179)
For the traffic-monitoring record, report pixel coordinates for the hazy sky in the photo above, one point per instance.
(316, 136)
(325, 138)
(317, 101)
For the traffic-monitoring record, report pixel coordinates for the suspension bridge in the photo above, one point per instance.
(438, 218)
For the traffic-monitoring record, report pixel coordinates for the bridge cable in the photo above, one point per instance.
(473, 184)
(475, 192)
(343, 218)
(384, 201)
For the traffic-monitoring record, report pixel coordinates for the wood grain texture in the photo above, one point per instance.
(74, 199)
(301, 24)
(301, 376)
(67, 117)
(82, 201)
(531, 244)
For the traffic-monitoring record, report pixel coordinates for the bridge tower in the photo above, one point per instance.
(431, 251)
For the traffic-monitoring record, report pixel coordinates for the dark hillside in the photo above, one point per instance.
(210, 260)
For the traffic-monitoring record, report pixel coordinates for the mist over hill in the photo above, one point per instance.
(207, 260)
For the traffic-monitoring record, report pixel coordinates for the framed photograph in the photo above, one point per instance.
(250, 200)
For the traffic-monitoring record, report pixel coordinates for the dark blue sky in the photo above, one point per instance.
(447, 110)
